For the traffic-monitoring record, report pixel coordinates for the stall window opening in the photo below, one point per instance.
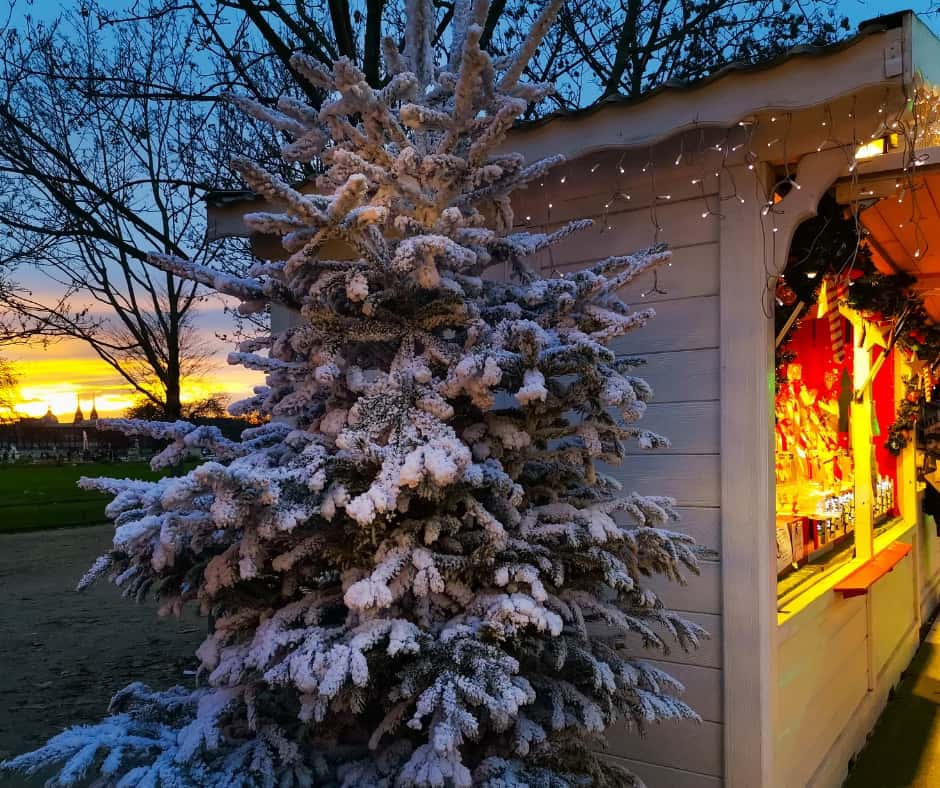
(828, 441)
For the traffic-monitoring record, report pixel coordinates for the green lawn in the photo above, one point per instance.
(46, 496)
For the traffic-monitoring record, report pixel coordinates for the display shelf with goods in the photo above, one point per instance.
(824, 457)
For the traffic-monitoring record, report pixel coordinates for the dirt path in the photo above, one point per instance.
(63, 654)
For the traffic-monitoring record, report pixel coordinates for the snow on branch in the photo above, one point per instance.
(239, 287)
(415, 560)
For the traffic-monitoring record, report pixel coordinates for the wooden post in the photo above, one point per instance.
(748, 546)
(752, 255)
(860, 435)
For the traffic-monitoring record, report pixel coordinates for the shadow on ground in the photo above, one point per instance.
(903, 751)
(64, 654)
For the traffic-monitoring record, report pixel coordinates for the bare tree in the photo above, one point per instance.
(212, 407)
(8, 384)
(633, 46)
(93, 179)
(111, 131)
(596, 48)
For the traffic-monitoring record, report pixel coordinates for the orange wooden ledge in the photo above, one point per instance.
(863, 578)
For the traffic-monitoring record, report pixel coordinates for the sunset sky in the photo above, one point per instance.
(61, 374)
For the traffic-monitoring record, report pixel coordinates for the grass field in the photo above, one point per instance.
(34, 497)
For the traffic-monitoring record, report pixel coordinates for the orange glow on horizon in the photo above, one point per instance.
(62, 377)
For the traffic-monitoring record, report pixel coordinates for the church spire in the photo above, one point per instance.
(94, 410)
(79, 416)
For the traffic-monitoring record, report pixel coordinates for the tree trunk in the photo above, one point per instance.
(173, 408)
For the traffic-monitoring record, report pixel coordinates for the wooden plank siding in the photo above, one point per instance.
(822, 680)
(890, 596)
(838, 660)
(680, 346)
(687, 745)
(655, 775)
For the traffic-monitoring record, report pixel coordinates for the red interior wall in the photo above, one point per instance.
(812, 345)
(885, 401)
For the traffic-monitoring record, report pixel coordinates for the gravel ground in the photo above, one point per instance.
(63, 654)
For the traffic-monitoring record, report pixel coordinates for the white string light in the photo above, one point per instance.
(903, 186)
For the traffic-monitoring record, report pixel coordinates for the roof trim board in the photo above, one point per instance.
(873, 59)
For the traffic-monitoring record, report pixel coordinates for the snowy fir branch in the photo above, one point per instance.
(416, 573)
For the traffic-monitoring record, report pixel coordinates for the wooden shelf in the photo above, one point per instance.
(863, 578)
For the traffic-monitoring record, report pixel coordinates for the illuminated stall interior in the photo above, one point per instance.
(857, 312)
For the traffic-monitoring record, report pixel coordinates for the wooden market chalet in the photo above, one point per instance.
(778, 391)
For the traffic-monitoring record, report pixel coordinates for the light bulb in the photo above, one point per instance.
(564, 178)
(811, 274)
(594, 167)
(705, 214)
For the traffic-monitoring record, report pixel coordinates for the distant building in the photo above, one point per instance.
(46, 438)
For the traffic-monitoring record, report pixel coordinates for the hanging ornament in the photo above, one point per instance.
(785, 293)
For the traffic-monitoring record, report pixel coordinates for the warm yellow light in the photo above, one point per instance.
(877, 147)
(60, 384)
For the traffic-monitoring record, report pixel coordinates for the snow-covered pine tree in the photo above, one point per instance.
(416, 574)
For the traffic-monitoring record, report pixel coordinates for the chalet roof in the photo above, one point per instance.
(694, 96)
(866, 28)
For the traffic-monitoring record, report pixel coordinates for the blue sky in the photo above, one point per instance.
(860, 10)
(43, 366)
